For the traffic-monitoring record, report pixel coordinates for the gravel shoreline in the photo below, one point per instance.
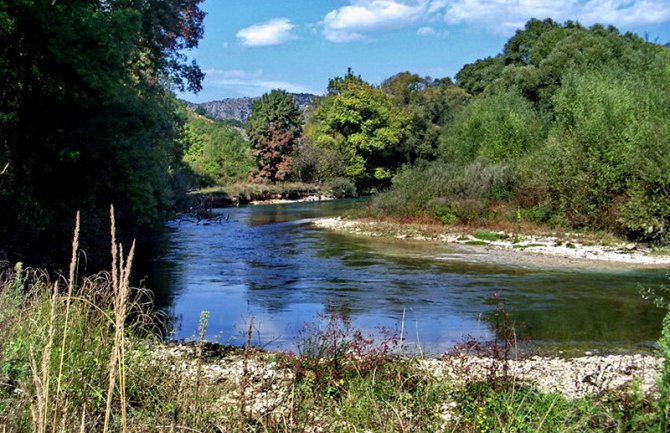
(309, 198)
(267, 383)
(509, 249)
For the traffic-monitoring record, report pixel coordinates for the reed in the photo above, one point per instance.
(121, 285)
(68, 300)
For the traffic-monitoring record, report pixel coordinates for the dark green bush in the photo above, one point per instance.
(500, 126)
(342, 187)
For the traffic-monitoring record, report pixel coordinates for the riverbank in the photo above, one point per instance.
(83, 357)
(266, 384)
(509, 248)
(572, 378)
(248, 193)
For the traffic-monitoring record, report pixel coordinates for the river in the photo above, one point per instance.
(269, 264)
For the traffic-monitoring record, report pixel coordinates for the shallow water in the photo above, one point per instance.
(270, 264)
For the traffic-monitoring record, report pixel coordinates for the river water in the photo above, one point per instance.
(270, 265)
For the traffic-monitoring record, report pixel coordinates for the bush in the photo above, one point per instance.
(312, 164)
(448, 192)
(342, 187)
(413, 191)
(332, 350)
(442, 210)
(500, 126)
(606, 159)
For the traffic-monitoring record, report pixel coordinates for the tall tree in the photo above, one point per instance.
(429, 104)
(274, 127)
(87, 117)
(365, 126)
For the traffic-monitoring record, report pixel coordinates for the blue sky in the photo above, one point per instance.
(253, 46)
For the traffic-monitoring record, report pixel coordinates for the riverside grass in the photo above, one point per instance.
(77, 356)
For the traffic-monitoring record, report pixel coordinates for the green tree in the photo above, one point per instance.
(500, 126)
(475, 77)
(87, 118)
(364, 126)
(609, 151)
(216, 151)
(429, 104)
(537, 58)
(274, 127)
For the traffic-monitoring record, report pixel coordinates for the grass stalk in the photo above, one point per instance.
(121, 288)
(202, 331)
(244, 381)
(39, 406)
(68, 300)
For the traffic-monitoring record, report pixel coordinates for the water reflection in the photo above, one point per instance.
(268, 263)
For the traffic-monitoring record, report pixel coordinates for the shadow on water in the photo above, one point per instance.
(269, 263)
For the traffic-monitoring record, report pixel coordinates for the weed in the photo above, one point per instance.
(487, 235)
(476, 243)
(331, 350)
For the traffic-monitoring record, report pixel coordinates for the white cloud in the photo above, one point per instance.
(431, 32)
(624, 12)
(274, 32)
(505, 16)
(249, 83)
(361, 17)
(426, 31)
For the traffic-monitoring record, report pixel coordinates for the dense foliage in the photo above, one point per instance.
(274, 127)
(87, 117)
(568, 126)
(362, 126)
(216, 152)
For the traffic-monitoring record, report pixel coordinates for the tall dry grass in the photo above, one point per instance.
(60, 337)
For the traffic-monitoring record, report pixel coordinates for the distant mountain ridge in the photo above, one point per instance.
(239, 109)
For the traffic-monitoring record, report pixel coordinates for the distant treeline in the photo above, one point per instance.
(569, 126)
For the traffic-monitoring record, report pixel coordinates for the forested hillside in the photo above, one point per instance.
(215, 151)
(239, 109)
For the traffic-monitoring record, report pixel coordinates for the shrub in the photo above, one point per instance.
(448, 192)
(316, 164)
(342, 187)
(606, 159)
(500, 126)
(413, 189)
(331, 349)
(443, 211)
